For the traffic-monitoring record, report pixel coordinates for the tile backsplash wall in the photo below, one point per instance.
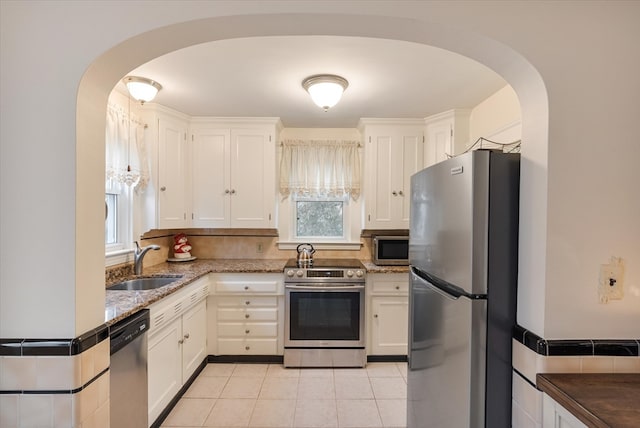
(241, 247)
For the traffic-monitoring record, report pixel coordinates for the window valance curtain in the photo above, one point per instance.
(120, 152)
(320, 168)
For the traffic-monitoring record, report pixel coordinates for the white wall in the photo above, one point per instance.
(499, 111)
(578, 205)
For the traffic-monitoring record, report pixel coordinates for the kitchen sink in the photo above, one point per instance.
(150, 283)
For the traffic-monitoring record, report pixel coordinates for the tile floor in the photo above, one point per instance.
(268, 395)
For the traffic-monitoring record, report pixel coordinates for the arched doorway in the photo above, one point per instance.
(103, 74)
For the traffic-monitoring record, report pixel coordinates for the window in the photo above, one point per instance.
(111, 219)
(320, 218)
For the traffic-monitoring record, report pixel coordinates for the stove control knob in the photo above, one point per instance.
(359, 273)
(349, 273)
(300, 273)
(290, 273)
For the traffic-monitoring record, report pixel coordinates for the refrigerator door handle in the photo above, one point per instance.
(448, 289)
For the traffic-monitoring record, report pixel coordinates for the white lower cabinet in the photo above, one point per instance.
(247, 312)
(556, 416)
(388, 313)
(177, 344)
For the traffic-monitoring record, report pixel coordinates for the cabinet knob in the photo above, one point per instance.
(233, 191)
(394, 193)
(247, 302)
(246, 315)
(180, 342)
(247, 331)
(163, 188)
(400, 193)
(186, 336)
(247, 348)
(227, 191)
(397, 287)
(246, 287)
(375, 315)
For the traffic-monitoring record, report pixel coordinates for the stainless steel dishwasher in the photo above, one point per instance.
(129, 371)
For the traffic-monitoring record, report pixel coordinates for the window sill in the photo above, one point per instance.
(117, 257)
(342, 245)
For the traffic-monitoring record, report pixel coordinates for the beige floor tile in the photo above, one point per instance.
(277, 370)
(402, 367)
(316, 388)
(389, 388)
(358, 413)
(339, 373)
(206, 387)
(349, 388)
(230, 413)
(325, 373)
(218, 369)
(393, 412)
(273, 413)
(316, 413)
(250, 370)
(281, 388)
(242, 387)
(190, 412)
(383, 370)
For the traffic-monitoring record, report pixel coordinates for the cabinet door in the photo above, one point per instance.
(389, 325)
(194, 336)
(439, 141)
(211, 177)
(393, 155)
(556, 416)
(253, 182)
(164, 367)
(171, 172)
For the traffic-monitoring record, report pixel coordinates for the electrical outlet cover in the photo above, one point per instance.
(611, 281)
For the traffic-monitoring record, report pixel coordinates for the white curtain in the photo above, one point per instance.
(123, 151)
(325, 168)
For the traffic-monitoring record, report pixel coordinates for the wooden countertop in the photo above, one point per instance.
(598, 400)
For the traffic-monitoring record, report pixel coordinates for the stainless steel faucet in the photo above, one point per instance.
(138, 255)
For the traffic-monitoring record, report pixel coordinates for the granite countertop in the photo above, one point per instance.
(597, 399)
(121, 303)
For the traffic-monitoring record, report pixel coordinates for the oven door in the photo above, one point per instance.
(324, 316)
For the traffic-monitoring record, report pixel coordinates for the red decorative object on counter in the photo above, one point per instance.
(181, 247)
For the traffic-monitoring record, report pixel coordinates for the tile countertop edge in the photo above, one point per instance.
(120, 304)
(582, 395)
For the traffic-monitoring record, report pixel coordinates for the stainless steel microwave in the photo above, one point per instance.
(391, 250)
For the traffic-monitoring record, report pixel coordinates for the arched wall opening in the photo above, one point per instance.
(105, 72)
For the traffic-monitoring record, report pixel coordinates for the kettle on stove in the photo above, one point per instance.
(305, 254)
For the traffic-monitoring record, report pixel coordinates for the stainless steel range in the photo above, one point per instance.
(324, 315)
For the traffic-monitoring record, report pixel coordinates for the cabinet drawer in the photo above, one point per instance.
(248, 346)
(246, 287)
(249, 330)
(247, 301)
(247, 314)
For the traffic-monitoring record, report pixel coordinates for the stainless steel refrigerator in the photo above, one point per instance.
(463, 250)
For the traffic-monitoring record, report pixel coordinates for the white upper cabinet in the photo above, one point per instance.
(447, 134)
(393, 152)
(172, 201)
(234, 174)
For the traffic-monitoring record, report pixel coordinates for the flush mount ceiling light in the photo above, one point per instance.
(325, 89)
(141, 88)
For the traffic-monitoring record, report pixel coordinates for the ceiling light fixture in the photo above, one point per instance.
(141, 88)
(325, 89)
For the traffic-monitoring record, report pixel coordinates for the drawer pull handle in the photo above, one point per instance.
(247, 348)
(246, 316)
(247, 302)
(247, 331)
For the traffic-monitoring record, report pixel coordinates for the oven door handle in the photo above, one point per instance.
(324, 288)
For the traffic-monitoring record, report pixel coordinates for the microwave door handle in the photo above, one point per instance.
(442, 286)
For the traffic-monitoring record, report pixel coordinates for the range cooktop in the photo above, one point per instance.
(328, 264)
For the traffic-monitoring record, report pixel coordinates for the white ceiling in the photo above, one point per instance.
(257, 77)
